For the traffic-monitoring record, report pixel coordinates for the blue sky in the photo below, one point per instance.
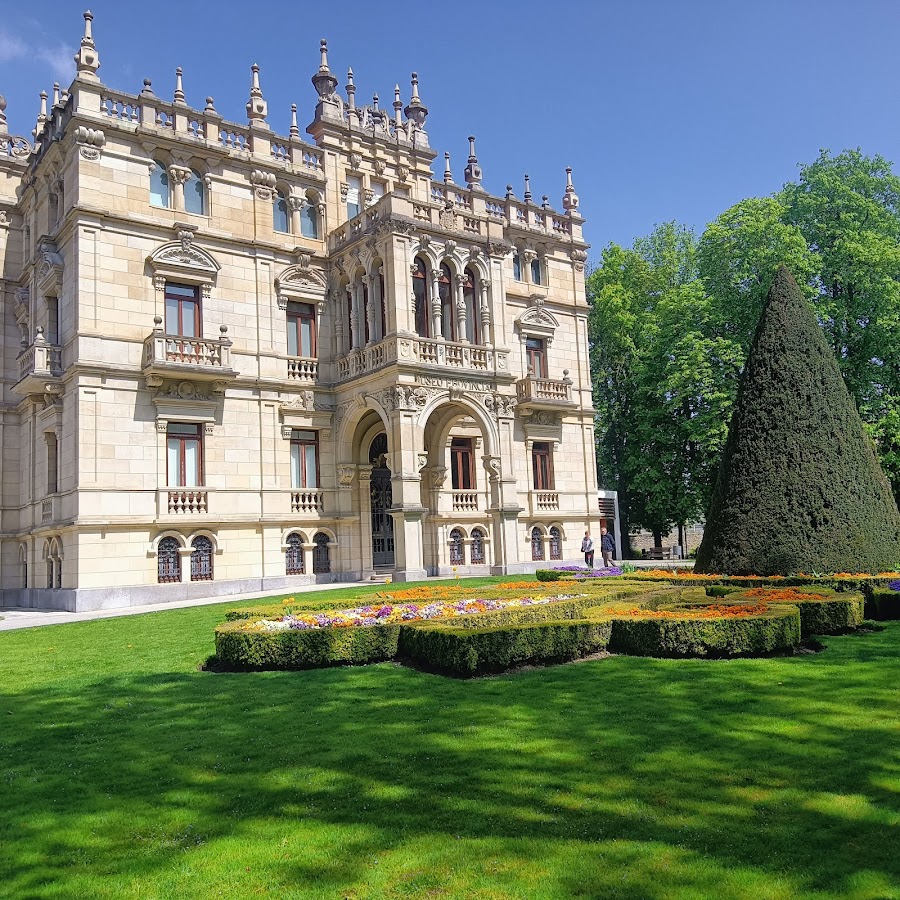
(665, 110)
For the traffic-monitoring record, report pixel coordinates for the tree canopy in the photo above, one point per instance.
(673, 318)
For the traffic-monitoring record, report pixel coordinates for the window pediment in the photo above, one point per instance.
(183, 259)
(301, 281)
(537, 320)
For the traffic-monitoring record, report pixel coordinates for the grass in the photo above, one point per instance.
(128, 773)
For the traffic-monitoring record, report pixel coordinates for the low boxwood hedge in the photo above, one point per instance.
(239, 648)
(776, 630)
(478, 651)
(884, 604)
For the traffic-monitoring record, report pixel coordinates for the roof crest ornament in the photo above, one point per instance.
(473, 170)
(87, 60)
(257, 108)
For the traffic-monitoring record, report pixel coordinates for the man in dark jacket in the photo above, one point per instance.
(607, 547)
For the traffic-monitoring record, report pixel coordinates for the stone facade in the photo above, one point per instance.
(235, 360)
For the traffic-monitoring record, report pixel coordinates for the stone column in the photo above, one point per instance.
(375, 299)
(354, 318)
(436, 330)
(369, 295)
(296, 205)
(461, 315)
(367, 564)
(178, 177)
(485, 310)
(407, 509)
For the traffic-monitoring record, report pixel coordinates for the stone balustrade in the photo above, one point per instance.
(408, 350)
(465, 501)
(208, 128)
(544, 501)
(544, 392)
(184, 501)
(201, 358)
(300, 368)
(308, 501)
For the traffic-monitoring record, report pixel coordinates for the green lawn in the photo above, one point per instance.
(128, 773)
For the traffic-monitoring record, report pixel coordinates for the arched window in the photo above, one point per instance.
(420, 296)
(473, 313)
(536, 272)
(555, 543)
(294, 555)
(159, 185)
(280, 218)
(445, 292)
(457, 554)
(201, 559)
(23, 564)
(168, 561)
(537, 543)
(477, 551)
(48, 557)
(195, 195)
(517, 267)
(321, 554)
(309, 220)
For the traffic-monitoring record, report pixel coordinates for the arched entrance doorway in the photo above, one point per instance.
(381, 501)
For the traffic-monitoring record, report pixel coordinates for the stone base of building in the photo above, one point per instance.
(88, 599)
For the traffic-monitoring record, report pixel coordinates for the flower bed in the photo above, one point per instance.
(474, 635)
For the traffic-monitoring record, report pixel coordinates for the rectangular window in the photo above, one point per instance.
(542, 466)
(52, 463)
(182, 310)
(52, 320)
(462, 467)
(535, 357)
(301, 330)
(184, 455)
(377, 190)
(354, 188)
(304, 459)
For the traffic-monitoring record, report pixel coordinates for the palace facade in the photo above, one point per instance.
(238, 361)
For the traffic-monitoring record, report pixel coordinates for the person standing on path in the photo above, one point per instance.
(587, 548)
(607, 547)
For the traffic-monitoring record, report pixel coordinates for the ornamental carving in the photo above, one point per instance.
(403, 397)
(499, 404)
(543, 417)
(499, 248)
(579, 258)
(305, 401)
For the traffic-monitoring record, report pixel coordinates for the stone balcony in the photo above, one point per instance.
(197, 359)
(543, 502)
(408, 350)
(182, 502)
(545, 393)
(40, 367)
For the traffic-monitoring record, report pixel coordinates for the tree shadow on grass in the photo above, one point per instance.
(626, 778)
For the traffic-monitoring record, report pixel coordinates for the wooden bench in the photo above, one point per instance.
(660, 553)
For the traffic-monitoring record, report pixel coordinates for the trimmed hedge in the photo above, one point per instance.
(478, 651)
(883, 605)
(774, 631)
(304, 649)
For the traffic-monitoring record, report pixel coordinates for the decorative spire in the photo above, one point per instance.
(56, 93)
(375, 109)
(295, 129)
(448, 176)
(323, 81)
(87, 60)
(417, 111)
(210, 108)
(398, 106)
(545, 202)
(509, 192)
(42, 116)
(570, 198)
(351, 90)
(179, 88)
(473, 170)
(257, 108)
(527, 194)
(4, 127)
(147, 90)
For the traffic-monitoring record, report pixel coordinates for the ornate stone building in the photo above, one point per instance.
(238, 361)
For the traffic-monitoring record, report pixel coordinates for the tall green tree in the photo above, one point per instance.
(658, 378)
(799, 487)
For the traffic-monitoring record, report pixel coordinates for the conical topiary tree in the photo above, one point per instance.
(799, 486)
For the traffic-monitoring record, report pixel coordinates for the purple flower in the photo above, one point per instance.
(894, 585)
